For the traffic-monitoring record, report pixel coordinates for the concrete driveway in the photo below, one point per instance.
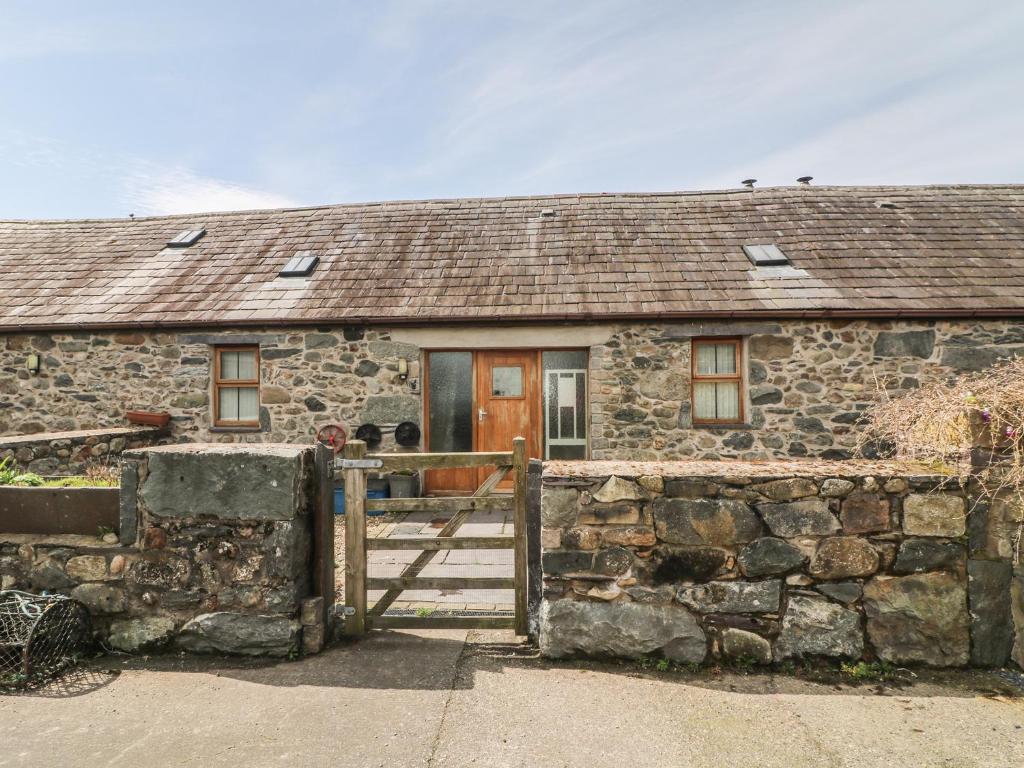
(440, 699)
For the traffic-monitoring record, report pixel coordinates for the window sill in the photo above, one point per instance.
(256, 428)
(722, 427)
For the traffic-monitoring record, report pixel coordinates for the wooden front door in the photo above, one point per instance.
(480, 401)
(507, 404)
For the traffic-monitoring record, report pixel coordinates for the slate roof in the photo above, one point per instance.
(886, 251)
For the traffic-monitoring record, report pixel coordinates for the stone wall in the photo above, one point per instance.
(808, 382)
(71, 453)
(773, 561)
(219, 558)
(310, 377)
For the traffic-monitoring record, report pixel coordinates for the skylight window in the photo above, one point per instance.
(300, 265)
(186, 238)
(766, 255)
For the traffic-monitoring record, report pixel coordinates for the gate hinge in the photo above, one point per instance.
(344, 610)
(362, 463)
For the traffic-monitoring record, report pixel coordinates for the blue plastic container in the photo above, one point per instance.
(371, 493)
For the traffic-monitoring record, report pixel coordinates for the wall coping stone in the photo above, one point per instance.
(285, 450)
(8, 441)
(741, 469)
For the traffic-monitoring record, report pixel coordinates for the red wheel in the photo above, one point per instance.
(333, 436)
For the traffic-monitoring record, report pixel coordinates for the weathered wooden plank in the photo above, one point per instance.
(417, 565)
(519, 465)
(394, 462)
(442, 504)
(534, 581)
(323, 527)
(440, 622)
(448, 542)
(355, 541)
(440, 582)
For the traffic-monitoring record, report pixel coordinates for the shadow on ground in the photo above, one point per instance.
(451, 661)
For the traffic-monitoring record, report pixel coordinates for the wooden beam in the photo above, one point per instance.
(323, 527)
(355, 542)
(440, 582)
(442, 504)
(395, 462)
(435, 543)
(519, 465)
(440, 622)
(417, 565)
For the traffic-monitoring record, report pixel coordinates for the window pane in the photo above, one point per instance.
(248, 404)
(728, 400)
(507, 381)
(228, 404)
(716, 400)
(451, 401)
(228, 365)
(716, 359)
(247, 365)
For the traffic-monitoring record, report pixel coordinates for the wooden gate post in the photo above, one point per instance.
(355, 542)
(519, 465)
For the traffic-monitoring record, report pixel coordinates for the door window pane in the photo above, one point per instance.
(451, 401)
(507, 381)
(565, 404)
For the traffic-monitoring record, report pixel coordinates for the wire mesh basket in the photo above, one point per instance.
(41, 636)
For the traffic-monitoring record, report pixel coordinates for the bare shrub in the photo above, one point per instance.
(968, 426)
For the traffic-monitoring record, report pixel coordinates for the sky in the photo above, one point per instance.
(109, 108)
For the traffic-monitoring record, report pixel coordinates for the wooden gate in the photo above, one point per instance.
(356, 464)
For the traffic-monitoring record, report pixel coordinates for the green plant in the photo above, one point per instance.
(30, 479)
(864, 671)
(423, 612)
(663, 665)
(8, 471)
(103, 530)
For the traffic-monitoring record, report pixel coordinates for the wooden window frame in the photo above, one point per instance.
(218, 383)
(697, 378)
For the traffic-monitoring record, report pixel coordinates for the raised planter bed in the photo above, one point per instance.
(48, 511)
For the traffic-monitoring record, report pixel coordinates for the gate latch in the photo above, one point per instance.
(344, 610)
(362, 463)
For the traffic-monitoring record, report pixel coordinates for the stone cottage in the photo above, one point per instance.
(752, 323)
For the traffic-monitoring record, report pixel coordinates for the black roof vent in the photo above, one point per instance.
(766, 255)
(749, 183)
(300, 265)
(186, 238)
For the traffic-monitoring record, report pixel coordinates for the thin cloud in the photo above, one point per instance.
(181, 191)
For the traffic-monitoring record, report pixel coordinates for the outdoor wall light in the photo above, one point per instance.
(403, 368)
(33, 363)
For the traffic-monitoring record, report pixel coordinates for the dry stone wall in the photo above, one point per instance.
(770, 562)
(70, 453)
(218, 558)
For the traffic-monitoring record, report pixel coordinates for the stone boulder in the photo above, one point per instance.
(810, 517)
(921, 618)
(629, 630)
(919, 555)
(733, 596)
(813, 626)
(558, 506)
(865, 513)
(769, 556)
(100, 598)
(713, 522)
(988, 593)
(786, 489)
(240, 634)
(138, 634)
(740, 644)
(836, 487)
(934, 514)
(617, 489)
(843, 557)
